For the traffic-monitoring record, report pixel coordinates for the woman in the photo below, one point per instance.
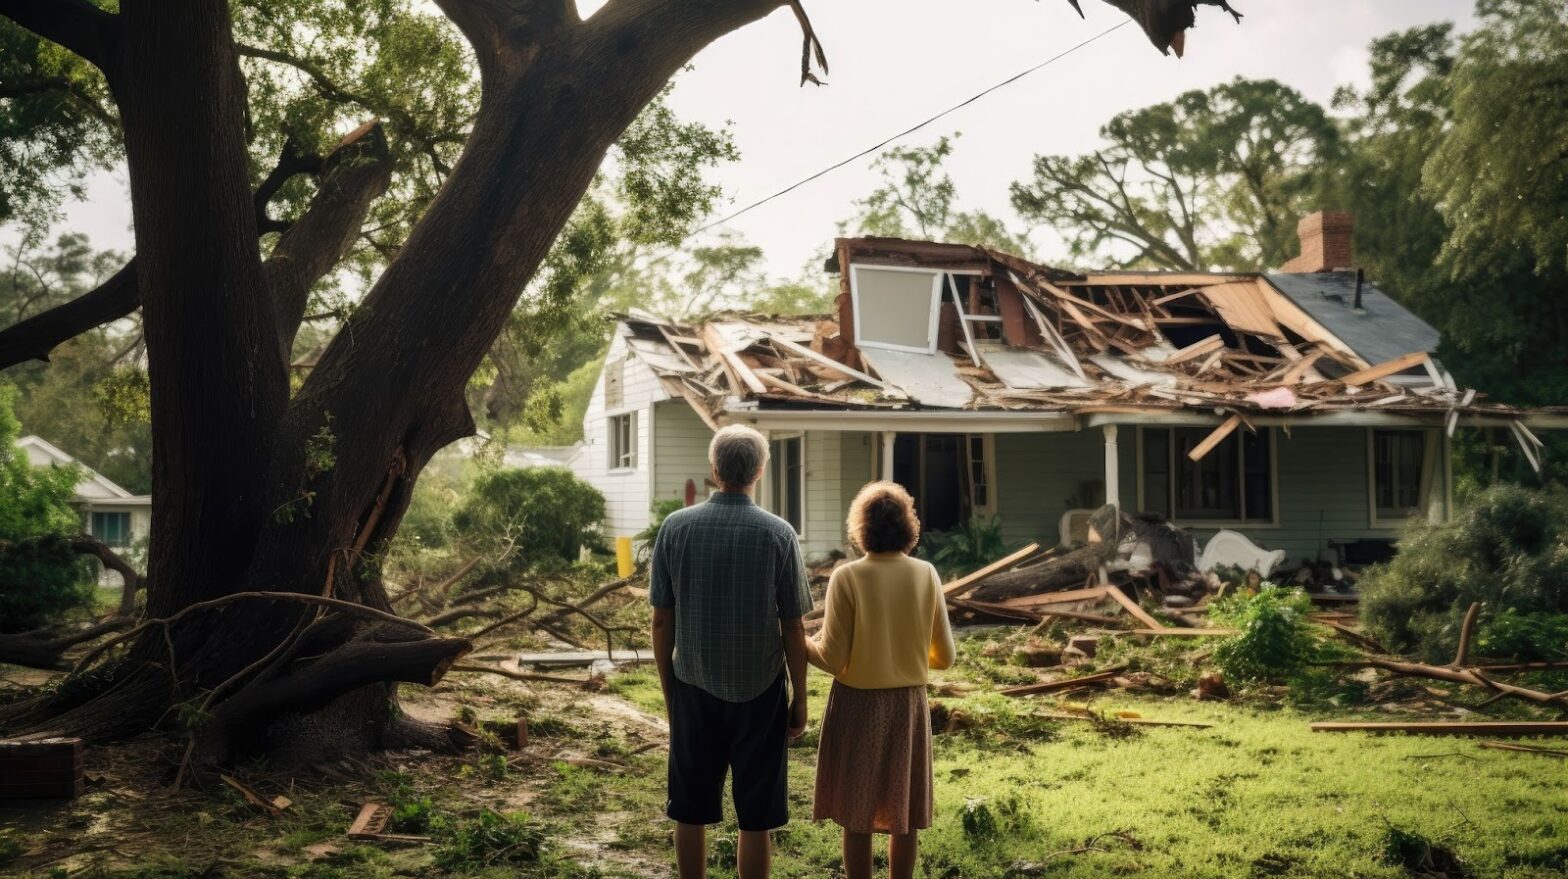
(886, 624)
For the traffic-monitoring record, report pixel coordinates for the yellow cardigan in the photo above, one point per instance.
(885, 624)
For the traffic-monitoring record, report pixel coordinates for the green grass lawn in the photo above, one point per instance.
(1256, 795)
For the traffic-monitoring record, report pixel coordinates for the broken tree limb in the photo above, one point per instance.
(45, 649)
(1131, 721)
(1454, 675)
(1466, 629)
(1068, 570)
(959, 586)
(1505, 729)
(1167, 632)
(475, 668)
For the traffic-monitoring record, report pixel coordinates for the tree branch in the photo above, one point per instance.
(76, 25)
(355, 174)
(36, 337)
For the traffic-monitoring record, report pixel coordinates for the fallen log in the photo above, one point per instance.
(46, 649)
(1505, 729)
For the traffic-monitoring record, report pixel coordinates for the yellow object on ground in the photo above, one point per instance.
(624, 565)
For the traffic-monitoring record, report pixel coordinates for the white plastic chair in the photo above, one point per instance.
(1234, 548)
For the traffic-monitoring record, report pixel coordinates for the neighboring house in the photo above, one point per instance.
(1302, 408)
(109, 512)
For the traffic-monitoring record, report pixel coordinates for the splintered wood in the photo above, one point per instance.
(1222, 346)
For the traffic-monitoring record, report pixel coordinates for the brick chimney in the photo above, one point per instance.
(1325, 243)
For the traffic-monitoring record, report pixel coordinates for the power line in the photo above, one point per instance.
(908, 131)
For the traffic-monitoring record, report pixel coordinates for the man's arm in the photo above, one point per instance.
(795, 660)
(664, 650)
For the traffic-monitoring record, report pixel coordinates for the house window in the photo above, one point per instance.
(896, 308)
(1232, 483)
(1398, 458)
(112, 528)
(981, 495)
(787, 481)
(623, 441)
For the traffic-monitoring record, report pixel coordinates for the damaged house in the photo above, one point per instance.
(1303, 408)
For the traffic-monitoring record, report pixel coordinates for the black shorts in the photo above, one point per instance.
(709, 735)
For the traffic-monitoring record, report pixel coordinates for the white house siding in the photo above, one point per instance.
(680, 450)
(626, 491)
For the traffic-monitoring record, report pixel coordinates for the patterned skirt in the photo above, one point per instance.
(874, 760)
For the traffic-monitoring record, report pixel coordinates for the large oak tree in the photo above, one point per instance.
(263, 487)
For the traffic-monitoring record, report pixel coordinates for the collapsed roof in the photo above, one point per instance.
(999, 333)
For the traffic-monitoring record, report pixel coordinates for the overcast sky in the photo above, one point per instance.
(895, 62)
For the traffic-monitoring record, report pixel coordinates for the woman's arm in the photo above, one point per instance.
(829, 651)
(942, 652)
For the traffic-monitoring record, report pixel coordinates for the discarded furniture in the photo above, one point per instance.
(1073, 528)
(1234, 548)
(36, 767)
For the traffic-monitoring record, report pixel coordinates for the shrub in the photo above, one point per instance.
(41, 577)
(542, 515)
(1507, 549)
(661, 510)
(974, 544)
(1275, 643)
(491, 840)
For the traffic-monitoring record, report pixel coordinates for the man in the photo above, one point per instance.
(728, 591)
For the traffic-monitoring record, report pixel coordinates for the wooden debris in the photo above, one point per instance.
(962, 584)
(1132, 607)
(271, 807)
(41, 766)
(1132, 721)
(1500, 728)
(1226, 428)
(1525, 749)
(1167, 632)
(1099, 678)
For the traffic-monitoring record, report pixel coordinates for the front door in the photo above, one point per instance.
(931, 467)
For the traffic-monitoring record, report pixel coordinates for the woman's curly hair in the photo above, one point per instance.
(882, 519)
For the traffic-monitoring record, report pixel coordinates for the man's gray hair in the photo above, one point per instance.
(738, 455)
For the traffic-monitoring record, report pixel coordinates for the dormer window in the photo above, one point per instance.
(896, 308)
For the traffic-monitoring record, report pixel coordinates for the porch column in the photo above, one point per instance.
(888, 436)
(1113, 470)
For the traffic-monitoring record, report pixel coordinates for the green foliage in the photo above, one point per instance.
(645, 539)
(41, 577)
(984, 819)
(1523, 636)
(542, 515)
(1508, 548)
(1275, 642)
(974, 544)
(490, 840)
(1212, 180)
(1421, 856)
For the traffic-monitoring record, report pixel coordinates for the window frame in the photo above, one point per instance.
(122, 516)
(614, 455)
(938, 282)
(988, 470)
(769, 501)
(1424, 478)
(1273, 520)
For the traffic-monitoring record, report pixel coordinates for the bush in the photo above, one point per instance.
(543, 515)
(972, 545)
(1507, 549)
(645, 539)
(41, 577)
(1275, 643)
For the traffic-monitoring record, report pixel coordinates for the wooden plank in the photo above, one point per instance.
(1301, 368)
(1069, 298)
(1172, 297)
(833, 364)
(1218, 436)
(1131, 721)
(1195, 350)
(1386, 368)
(1103, 677)
(1116, 594)
(737, 370)
(1058, 344)
(1166, 631)
(962, 584)
(1071, 596)
(1499, 728)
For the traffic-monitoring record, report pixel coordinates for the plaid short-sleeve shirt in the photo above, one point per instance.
(731, 570)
